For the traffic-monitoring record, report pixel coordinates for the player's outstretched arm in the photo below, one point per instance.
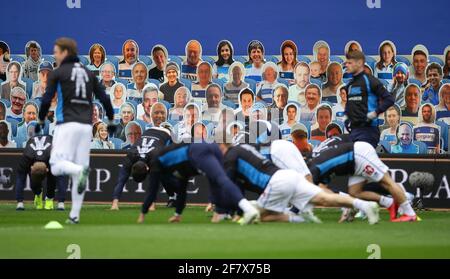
(180, 202)
(154, 178)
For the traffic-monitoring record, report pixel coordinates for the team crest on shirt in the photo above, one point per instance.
(369, 170)
(39, 145)
(146, 147)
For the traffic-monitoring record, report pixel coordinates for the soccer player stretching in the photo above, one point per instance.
(74, 86)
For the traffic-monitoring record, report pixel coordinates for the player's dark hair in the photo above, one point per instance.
(67, 44)
(38, 172)
(139, 171)
(298, 134)
(356, 55)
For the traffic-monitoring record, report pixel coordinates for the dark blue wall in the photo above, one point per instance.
(173, 23)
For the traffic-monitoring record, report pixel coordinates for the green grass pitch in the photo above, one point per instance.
(106, 234)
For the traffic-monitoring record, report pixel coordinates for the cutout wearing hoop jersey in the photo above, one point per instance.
(255, 62)
(29, 111)
(288, 51)
(221, 67)
(118, 96)
(447, 63)
(5, 58)
(6, 135)
(40, 85)
(410, 111)
(204, 77)
(181, 98)
(339, 107)
(159, 56)
(426, 130)
(291, 116)
(191, 115)
(149, 98)
(100, 137)
(13, 79)
(264, 90)
(385, 65)
(404, 143)
(280, 99)
(321, 53)
(108, 75)
(97, 56)
(313, 96)
(133, 132)
(391, 122)
(33, 53)
(443, 108)
(139, 74)
(193, 53)
(419, 64)
(172, 83)
(399, 83)
(235, 82)
(334, 81)
(18, 98)
(302, 75)
(323, 118)
(246, 101)
(350, 46)
(434, 82)
(214, 104)
(127, 114)
(130, 52)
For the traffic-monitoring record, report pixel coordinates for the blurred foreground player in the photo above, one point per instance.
(35, 162)
(143, 150)
(279, 188)
(339, 155)
(184, 161)
(75, 87)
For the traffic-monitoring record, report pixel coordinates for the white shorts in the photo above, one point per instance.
(368, 166)
(287, 187)
(285, 155)
(71, 142)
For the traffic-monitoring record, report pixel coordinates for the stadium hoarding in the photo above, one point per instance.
(105, 169)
